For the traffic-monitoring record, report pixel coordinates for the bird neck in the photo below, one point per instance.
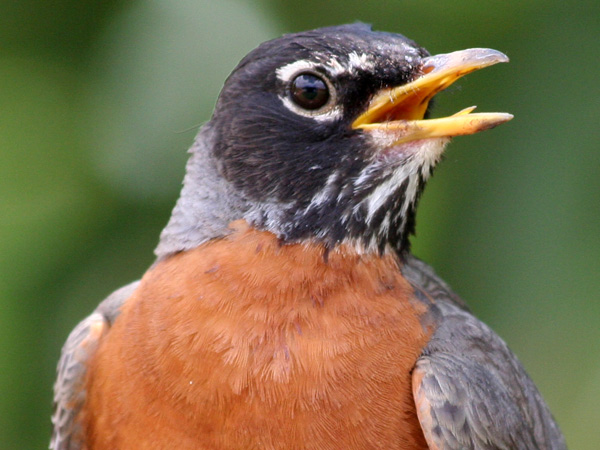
(207, 203)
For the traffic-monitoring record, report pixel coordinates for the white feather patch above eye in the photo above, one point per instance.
(363, 61)
(287, 72)
(333, 65)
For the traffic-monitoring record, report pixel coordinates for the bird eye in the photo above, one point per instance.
(309, 91)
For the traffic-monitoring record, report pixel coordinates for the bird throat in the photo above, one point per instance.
(373, 212)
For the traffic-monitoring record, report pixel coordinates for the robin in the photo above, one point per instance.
(284, 309)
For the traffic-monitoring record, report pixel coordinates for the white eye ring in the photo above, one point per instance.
(288, 73)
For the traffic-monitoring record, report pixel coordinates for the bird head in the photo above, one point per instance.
(324, 136)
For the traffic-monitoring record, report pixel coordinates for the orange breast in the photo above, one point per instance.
(244, 343)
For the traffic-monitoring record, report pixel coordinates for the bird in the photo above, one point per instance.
(285, 309)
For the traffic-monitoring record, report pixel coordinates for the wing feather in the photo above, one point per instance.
(470, 390)
(69, 389)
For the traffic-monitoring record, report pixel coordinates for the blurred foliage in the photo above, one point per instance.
(100, 100)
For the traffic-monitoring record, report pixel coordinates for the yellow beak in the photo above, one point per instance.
(399, 111)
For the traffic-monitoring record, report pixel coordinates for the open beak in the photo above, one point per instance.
(399, 111)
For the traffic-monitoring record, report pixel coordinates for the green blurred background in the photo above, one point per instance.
(99, 101)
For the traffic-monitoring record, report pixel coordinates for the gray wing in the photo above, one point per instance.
(470, 390)
(69, 392)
